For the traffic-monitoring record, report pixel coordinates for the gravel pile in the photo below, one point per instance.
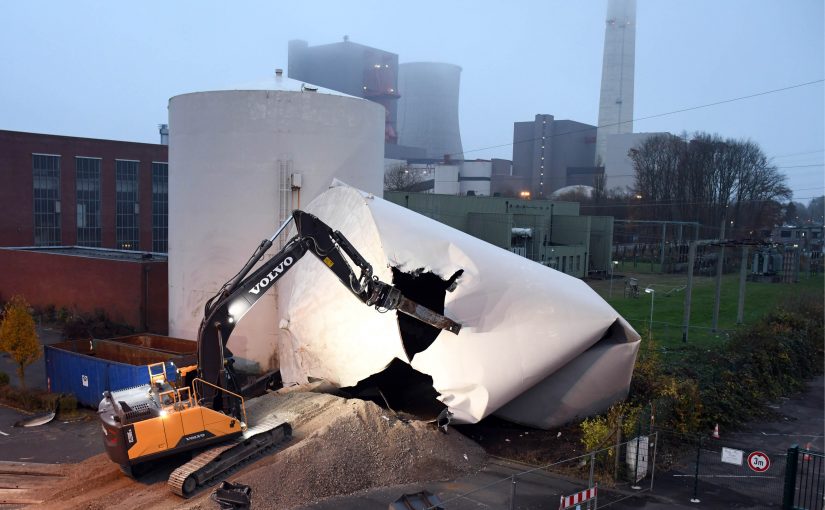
(353, 445)
(339, 447)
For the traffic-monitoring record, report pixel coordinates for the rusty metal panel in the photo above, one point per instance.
(158, 343)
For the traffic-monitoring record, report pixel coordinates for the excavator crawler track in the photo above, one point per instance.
(209, 464)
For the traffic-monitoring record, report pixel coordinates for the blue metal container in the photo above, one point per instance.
(87, 368)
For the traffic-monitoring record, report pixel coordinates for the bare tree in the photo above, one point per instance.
(708, 179)
(403, 178)
(816, 210)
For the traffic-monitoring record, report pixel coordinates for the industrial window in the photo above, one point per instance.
(88, 201)
(127, 208)
(578, 262)
(785, 233)
(160, 207)
(46, 179)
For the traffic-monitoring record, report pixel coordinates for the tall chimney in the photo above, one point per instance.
(164, 133)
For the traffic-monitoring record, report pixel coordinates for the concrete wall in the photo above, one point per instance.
(131, 292)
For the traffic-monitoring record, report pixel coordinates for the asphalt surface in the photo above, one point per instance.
(54, 443)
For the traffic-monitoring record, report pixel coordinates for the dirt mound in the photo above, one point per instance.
(356, 445)
(339, 447)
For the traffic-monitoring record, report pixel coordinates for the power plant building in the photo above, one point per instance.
(549, 154)
(552, 233)
(353, 69)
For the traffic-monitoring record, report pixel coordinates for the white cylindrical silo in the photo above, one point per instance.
(428, 108)
(240, 161)
(475, 177)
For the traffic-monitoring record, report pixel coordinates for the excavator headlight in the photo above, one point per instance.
(163, 413)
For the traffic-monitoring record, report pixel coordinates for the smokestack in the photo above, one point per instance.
(164, 133)
(618, 66)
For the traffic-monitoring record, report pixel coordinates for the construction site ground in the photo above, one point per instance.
(351, 454)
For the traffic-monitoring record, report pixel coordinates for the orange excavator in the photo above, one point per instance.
(205, 409)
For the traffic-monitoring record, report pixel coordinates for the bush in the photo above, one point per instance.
(28, 400)
(94, 325)
(66, 406)
(4, 379)
(731, 384)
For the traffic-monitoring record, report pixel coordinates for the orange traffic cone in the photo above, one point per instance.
(715, 434)
(807, 456)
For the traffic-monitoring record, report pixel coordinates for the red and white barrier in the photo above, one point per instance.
(580, 497)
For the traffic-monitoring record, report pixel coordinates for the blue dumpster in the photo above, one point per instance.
(87, 368)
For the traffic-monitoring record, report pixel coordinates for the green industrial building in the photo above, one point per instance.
(551, 233)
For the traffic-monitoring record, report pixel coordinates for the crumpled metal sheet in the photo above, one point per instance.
(534, 346)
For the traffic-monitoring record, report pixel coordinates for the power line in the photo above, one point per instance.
(798, 154)
(681, 110)
(776, 167)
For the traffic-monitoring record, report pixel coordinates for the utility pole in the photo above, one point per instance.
(743, 271)
(662, 255)
(719, 265)
(688, 290)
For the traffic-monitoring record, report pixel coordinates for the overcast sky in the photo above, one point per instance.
(107, 69)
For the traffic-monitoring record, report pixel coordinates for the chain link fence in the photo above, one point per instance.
(618, 472)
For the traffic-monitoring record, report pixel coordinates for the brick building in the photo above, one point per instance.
(84, 225)
(70, 191)
(131, 287)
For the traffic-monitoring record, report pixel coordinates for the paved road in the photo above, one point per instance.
(55, 442)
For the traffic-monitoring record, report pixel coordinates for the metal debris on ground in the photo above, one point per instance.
(233, 496)
(36, 421)
(417, 501)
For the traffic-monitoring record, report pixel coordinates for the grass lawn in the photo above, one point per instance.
(669, 297)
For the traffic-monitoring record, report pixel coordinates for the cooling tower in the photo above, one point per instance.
(428, 108)
(240, 161)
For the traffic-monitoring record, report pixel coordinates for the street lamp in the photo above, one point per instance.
(612, 266)
(652, 293)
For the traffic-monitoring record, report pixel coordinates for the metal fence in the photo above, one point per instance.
(737, 471)
(729, 472)
(619, 472)
(804, 480)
